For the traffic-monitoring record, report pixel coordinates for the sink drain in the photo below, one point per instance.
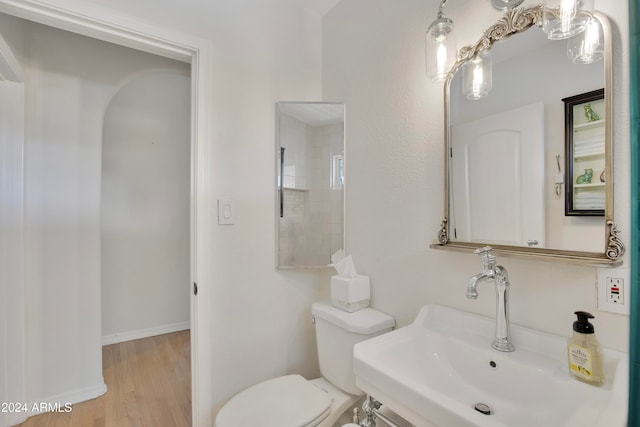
(483, 408)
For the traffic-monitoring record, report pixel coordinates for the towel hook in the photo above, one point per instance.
(559, 179)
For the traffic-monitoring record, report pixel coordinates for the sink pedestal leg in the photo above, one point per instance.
(369, 407)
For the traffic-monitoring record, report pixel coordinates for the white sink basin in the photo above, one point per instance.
(435, 370)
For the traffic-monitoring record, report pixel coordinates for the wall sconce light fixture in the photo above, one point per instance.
(587, 47)
(562, 19)
(440, 46)
(505, 4)
(476, 76)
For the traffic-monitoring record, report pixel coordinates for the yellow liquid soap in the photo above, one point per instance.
(585, 356)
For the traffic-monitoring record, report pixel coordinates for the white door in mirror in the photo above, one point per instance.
(498, 178)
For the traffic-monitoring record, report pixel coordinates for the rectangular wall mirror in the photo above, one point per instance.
(503, 149)
(310, 184)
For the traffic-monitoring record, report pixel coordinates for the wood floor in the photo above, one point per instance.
(149, 384)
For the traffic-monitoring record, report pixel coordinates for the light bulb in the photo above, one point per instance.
(567, 13)
(587, 47)
(478, 80)
(476, 76)
(440, 49)
(562, 19)
(441, 59)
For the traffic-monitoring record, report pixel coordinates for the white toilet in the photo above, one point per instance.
(291, 400)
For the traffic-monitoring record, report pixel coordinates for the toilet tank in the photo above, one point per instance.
(337, 332)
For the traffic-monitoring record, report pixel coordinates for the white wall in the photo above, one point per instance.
(145, 207)
(258, 318)
(373, 59)
(69, 82)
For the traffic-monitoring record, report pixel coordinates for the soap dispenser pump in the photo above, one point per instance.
(585, 357)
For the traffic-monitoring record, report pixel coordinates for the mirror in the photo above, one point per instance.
(504, 174)
(310, 183)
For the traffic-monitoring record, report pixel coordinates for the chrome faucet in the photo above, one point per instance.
(498, 275)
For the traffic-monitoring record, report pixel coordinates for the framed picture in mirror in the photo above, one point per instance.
(585, 154)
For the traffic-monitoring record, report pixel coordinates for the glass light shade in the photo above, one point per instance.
(562, 19)
(440, 49)
(505, 4)
(587, 47)
(476, 76)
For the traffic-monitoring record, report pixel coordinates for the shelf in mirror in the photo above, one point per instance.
(589, 125)
(590, 185)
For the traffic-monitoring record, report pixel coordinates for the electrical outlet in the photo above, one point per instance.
(613, 288)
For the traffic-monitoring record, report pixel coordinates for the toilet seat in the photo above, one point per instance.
(288, 401)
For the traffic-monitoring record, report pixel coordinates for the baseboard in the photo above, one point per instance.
(59, 403)
(74, 396)
(145, 333)
(13, 419)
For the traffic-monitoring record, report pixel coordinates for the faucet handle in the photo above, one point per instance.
(486, 249)
(488, 259)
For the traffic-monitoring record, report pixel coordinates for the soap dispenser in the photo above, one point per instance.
(585, 357)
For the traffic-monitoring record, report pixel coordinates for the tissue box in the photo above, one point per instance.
(350, 294)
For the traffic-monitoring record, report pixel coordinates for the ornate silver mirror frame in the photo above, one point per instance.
(513, 22)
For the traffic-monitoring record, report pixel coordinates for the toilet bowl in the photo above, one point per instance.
(293, 401)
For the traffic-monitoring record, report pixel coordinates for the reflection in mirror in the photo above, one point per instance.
(310, 183)
(502, 142)
(504, 149)
(584, 145)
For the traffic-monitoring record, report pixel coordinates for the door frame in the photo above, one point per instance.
(12, 297)
(119, 29)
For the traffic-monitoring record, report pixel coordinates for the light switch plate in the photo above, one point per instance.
(225, 212)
